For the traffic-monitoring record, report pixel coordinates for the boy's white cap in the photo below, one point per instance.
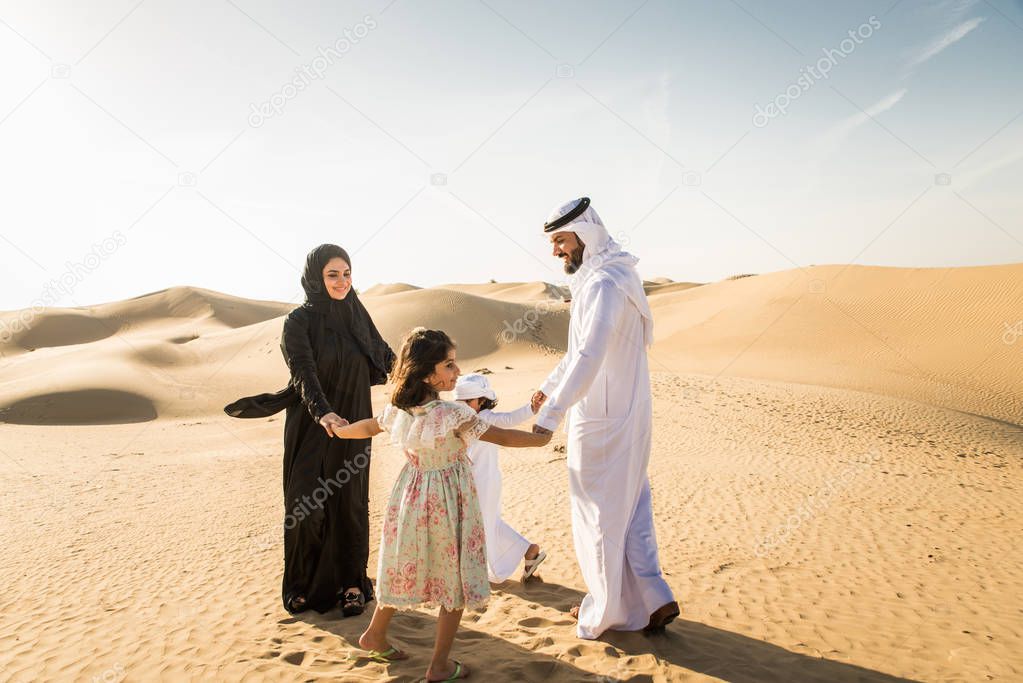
(473, 385)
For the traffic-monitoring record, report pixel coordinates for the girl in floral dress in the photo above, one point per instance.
(432, 548)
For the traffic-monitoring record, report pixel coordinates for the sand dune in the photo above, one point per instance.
(150, 355)
(81, 406)
(165, 348)
(385, 289)
(520, 292)
(929, 335)
(652, 288)
(541, 291)
(199, 309)
(480, 325)
(880, 408)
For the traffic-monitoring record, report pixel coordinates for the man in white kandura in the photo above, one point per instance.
(603, 382)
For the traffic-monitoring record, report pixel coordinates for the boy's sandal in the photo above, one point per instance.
(529, 568)
(391, 654)
(460, 672)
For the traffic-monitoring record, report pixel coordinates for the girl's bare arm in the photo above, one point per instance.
(363, 429)
(514, 438)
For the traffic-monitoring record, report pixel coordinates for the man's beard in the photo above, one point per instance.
(575, 260)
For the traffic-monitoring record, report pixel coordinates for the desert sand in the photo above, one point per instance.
(837, 474)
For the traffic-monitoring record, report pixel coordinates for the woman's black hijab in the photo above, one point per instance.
(347, 317)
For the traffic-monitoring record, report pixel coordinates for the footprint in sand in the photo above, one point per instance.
(295, 658)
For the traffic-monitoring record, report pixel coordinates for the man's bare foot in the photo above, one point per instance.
(574, 612)
(455, 670)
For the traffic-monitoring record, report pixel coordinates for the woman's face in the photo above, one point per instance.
(445, 374)
(337, 278)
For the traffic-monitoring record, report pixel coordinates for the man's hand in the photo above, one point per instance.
(543, 436)
(332, 420)
(537, 401)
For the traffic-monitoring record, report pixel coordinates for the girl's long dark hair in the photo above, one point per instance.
(420, 353)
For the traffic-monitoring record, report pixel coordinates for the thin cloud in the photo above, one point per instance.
(831, 140)
(846, 126)
(955, 8)
(972, 176)
(950, 37)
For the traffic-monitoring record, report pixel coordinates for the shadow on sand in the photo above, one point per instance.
(489, 658)
(687, 647)
(698, 648)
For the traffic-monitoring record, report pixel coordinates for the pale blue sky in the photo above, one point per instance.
(137, 117)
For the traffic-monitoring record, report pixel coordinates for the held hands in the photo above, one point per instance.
(544, 435)
(332, 421)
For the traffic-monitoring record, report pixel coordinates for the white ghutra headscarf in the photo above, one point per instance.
(604, 258)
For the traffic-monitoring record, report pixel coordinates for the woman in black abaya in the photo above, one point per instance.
(334, 353)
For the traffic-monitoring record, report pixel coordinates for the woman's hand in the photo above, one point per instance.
(332, 420)
(537, 401)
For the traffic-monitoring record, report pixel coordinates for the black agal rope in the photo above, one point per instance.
(583, 204)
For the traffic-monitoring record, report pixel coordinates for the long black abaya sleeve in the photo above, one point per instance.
(298, 353)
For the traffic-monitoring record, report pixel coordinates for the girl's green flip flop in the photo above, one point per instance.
(391, 654)
(458, 673)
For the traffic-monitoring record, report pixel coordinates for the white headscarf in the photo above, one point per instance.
(473, 385)
(604, 257)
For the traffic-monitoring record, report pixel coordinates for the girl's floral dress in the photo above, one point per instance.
(433, 549)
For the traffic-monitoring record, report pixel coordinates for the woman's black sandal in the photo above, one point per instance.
(353, 604)
(297, 604)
